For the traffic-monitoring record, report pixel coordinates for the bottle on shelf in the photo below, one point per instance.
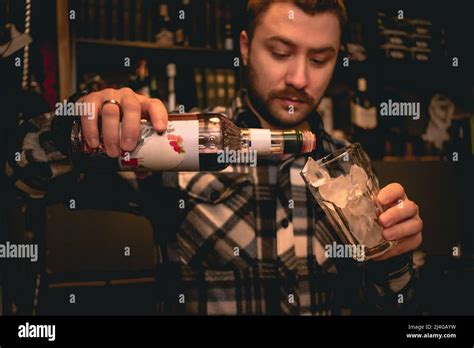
(171, 74)
(165, 34)
(154, 87)
(228, 38)
(192, 142)
(183, 20)
(140, 81)
(364, 121)
(363, 111)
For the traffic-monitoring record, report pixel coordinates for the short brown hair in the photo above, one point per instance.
(256, 8)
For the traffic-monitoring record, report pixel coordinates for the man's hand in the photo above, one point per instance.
(133, 107)
(401, 220)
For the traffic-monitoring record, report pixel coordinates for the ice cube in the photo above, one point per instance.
(361, 216)
(367, 231)
(361, 206)
(359, 180)
(359, 226)
(358, 175)
(374, 236)
(320, 178)
(337, 191)
(314, 175)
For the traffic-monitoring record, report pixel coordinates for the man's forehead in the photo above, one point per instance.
(286, 20)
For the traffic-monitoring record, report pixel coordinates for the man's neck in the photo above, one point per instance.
(265, 124)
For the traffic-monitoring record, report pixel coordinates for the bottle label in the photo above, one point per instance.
(261, 141)
(175, 150)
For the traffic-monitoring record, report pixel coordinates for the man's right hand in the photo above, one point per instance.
(133, 107)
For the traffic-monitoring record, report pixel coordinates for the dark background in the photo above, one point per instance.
(80, 247)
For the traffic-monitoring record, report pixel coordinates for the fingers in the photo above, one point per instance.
(403, 229)
(399, 212)
(133, 107)
(157, 113)
(403, 246)
(110, 123)
(131, 120)
(89, 124)
(391, 193)
(401, 221)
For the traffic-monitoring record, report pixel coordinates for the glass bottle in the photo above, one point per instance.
(192, 142)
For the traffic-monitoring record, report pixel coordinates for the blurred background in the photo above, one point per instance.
(403, 51)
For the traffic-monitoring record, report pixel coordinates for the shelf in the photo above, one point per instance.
(108, 55)
(151, 45)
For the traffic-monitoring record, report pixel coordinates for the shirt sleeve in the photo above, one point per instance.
(388, 287)
(33, 159)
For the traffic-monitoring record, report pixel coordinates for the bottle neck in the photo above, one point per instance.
(268, 142)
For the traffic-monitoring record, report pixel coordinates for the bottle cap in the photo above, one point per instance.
(309, 142)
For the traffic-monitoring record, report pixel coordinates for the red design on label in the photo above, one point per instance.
(133, 162)
(176, 142)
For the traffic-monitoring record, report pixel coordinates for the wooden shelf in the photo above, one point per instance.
(151, 45)
(107, 55)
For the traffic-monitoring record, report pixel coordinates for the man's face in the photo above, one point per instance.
(290, 62)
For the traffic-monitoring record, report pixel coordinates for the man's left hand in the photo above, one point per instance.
(401, 220)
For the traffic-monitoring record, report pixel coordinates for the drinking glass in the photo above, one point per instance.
(346, 188)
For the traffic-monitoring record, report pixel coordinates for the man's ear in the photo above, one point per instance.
(244, 46)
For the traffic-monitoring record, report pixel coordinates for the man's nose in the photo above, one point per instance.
(297, 74)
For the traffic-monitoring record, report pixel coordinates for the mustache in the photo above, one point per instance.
(292, 94)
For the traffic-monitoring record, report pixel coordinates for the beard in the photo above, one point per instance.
(263, 104)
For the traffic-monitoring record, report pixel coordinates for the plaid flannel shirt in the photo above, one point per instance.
(251, 240)
(247, 240)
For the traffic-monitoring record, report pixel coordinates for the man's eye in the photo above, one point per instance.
(317, 61)
(280, 55)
